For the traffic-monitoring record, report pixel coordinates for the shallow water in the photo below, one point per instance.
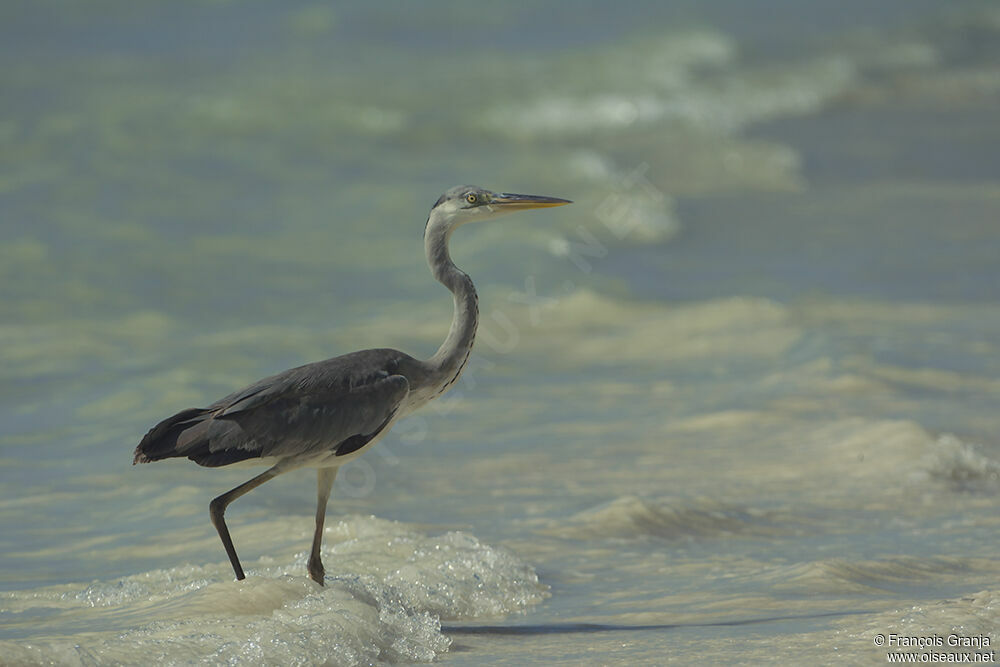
(736, 404)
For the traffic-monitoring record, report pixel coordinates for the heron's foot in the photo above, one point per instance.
(316, 571)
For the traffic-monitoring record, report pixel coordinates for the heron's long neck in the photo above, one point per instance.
(448, 362)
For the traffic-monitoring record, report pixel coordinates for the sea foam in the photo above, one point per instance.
(392, 587)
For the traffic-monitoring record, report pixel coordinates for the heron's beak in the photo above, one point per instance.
(509, 202)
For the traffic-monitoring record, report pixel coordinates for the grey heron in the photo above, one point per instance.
(327, 413)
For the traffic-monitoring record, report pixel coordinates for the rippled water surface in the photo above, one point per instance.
(737, 404)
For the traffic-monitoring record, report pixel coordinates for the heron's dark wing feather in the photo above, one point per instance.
(161, 440)
(337, 405)
(310, 420)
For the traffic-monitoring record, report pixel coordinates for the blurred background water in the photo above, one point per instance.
(737, 403)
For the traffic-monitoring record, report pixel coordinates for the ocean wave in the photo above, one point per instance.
(649, 332)
(632, 517)
(694, 79)
(387, 605)
(718, 106)
(844, 576)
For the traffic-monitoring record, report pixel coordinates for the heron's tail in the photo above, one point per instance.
(162, 440)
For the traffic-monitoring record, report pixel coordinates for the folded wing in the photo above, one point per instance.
(332, 407)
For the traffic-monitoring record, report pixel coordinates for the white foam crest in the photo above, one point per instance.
(961, 465)
(632, 217)
(467, 579)
(722, 103)
(393, 585)
(285, 621)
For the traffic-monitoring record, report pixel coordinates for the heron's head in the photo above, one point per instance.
(469, 203)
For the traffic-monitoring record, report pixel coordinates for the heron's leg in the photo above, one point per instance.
(324, 482)
(217, 510)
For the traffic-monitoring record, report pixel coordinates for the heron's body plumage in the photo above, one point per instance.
(315, 414)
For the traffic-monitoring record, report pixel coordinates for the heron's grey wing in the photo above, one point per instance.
(337, 405)
(314, 417)
(305, 411)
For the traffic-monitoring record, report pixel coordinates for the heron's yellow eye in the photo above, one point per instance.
(471, 198)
